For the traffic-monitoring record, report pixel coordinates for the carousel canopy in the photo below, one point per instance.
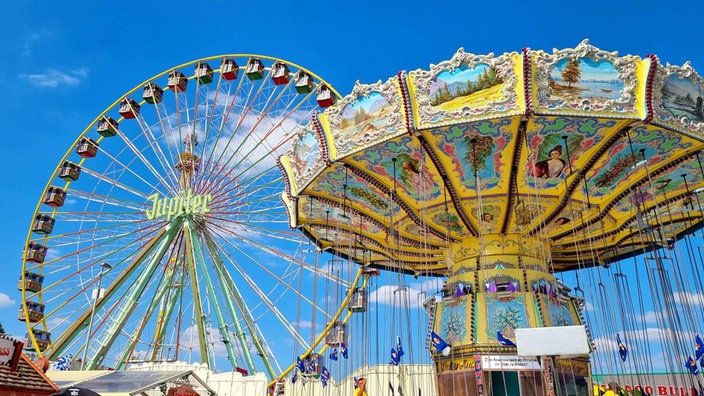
(595, 154)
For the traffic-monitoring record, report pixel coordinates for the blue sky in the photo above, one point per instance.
(62, 65)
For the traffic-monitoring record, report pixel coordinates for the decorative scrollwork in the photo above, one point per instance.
(352, 133)
(306, 156)
(553, 96)
(425, 81)
(677, 98)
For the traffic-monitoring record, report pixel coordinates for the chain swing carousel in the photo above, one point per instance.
(501, 174)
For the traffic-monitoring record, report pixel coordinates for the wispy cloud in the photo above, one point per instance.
(54, 78)
(33, 38)
(6, 301)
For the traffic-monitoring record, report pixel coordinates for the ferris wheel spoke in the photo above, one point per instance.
(86, 264)
(146, 163)
(222, 232)
(243, 117)
(251, 186)
(106, 246)
(174, 298)
(115, 182)
(152, 142)
(164, 123)
(286, 283)
(228, 104)
(81, 321)
(259, 292)
(91, 197)
(135, 174)
(249, 163)
(214, 165)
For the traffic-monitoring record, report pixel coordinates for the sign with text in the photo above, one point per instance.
(509, 363)
(186, 203)
(10, 351)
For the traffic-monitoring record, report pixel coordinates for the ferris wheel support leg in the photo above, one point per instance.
(127, 352)
(165, 314)
(131, 301)
(223, 277)
(198, 257)
(198, 316)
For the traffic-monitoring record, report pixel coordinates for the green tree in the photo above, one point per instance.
(2, 329)
(571, 73)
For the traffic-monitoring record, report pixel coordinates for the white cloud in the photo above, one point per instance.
(53, 78)
(687, 298)
(6, 301)
(407, 296)
(304, 324)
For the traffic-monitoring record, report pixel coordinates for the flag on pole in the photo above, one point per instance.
(440, 345)
(299, 364)
(394, 357)
(333, 355)
(622, 350)
(325, 376)
(503, 340)
(699, 347)
(691, 365)
(343, 350)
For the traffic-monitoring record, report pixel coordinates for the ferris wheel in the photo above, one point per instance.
(161, 234)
